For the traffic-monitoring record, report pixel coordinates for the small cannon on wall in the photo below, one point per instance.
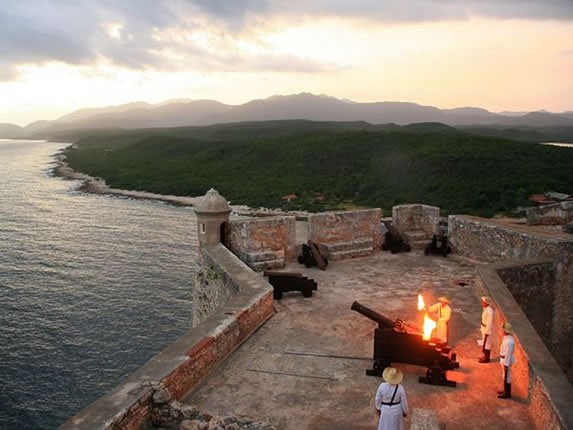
(394, 342)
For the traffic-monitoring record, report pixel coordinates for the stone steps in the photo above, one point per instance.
(349, 249)
(264, 260)
(416, 239)
(351, 253)
(260, 266)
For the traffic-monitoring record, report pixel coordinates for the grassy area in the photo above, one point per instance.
(329, 165)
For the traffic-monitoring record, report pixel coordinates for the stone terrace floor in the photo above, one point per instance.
(305, 368)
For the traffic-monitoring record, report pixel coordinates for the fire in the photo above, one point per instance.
(421, 304)
(429, 323)
(429, 326)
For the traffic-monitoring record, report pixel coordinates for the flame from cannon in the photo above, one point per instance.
(421, 304)
(429, 323)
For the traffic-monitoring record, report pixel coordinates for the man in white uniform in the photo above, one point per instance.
(443, 313)
(486, 329)
(506, 360)
(391, 400)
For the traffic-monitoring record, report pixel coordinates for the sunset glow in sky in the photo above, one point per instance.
(57, 56)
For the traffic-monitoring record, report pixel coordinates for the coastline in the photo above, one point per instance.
(98, 186)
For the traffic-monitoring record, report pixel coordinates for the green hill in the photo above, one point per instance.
(329, 165)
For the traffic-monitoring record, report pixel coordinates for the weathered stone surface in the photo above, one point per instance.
(495, 241)
(190, 425)
(161, 396)
(251, 239)
(346, 234)
(417, 223)
(556, 214)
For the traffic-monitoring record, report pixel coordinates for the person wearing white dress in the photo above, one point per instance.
(443, 314)
(391, 400)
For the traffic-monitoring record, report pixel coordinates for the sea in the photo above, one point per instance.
(91, 287)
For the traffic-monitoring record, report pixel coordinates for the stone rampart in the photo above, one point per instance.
(346, 234)
(536, 375)
(417, 223)
(555, 214)
(187, 361)
(213, 287)
(262, 243)
(494, 241)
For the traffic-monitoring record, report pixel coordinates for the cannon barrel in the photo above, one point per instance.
(383, 321)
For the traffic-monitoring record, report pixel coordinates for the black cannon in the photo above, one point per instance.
(395, 342)
(438, 246)
(290, 281)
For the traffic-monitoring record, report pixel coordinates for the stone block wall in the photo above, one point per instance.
(270, 241)
(495, 242)
(416, 222)
(532, 285)
(361, 227)
(213, 287)
(556, 214)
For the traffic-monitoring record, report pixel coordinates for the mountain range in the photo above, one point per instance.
(180, 113)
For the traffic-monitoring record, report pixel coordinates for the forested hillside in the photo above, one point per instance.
(330, 165)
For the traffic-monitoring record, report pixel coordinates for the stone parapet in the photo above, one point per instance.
(555, 214)
(346, 234)
(494, 241)
(187, 361)
(251, 239)
(417, 223)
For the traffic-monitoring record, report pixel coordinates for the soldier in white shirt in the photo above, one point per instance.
(506, 360)
(486, 329)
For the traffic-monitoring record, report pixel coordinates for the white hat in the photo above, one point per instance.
(507, 327)
(392, 375)
(486, 299)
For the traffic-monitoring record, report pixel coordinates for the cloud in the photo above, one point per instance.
(153, 34)
(392, 10)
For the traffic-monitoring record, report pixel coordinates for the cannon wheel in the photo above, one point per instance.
(435, 375)
(378, 367)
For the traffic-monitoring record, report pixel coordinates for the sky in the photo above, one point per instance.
(57, 56)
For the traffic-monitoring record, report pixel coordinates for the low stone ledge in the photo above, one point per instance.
(187, 361)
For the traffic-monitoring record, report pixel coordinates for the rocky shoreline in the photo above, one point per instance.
(98, 186)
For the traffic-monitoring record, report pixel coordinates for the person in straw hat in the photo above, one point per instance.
(506, 359)
(391, 400)
(486, 329)
(442, 313)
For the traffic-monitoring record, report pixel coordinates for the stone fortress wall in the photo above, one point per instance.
(555, 214)
(232, 300)
(530, 278)
(262, 243)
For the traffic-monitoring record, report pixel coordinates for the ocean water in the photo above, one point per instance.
(91, 287)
